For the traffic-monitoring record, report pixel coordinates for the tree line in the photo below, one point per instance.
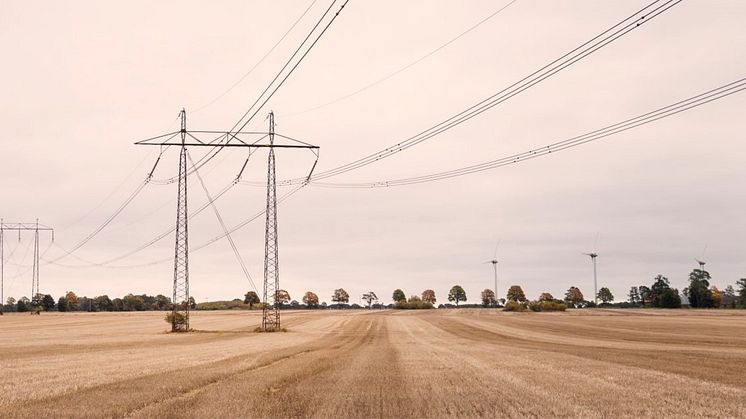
(699, 294)
(72, 302)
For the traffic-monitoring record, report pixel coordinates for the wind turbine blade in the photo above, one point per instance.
(496, 246)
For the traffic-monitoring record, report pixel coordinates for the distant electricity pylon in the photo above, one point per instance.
(595, 282)
(185, 138)
(35, 227)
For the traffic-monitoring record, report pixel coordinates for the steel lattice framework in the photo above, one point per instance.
(180, 313)
(185, 138)
(271, 306)
(35, 227)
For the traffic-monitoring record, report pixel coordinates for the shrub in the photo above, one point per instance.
(413, 305)
(514, 306)
(175, 318)
(555, 305)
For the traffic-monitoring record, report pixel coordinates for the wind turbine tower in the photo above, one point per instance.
(595, 280)
(494, 265)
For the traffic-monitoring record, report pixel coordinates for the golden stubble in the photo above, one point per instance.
(333, 363)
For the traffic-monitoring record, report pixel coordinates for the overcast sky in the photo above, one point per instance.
(83, 80)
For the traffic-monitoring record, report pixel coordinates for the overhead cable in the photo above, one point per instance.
(599, 41)
(646, 118)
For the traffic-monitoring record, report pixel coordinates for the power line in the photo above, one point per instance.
(406, 67)
(237, 127)
(287, 64)
(619, 127)
(225, 229)
(251, 70)
(116, 213)
(201, 246)
(606, 37)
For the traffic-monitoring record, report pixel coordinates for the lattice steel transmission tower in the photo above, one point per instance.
(180, 313)
(221, 139)
(35, 227)
(270, 308)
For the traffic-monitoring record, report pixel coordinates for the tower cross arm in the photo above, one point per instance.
(224, 139)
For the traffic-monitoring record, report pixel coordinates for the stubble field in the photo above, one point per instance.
(429, 363)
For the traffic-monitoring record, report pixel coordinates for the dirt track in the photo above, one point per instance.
(391, 363)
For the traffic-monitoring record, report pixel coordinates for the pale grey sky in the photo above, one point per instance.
(82, 80)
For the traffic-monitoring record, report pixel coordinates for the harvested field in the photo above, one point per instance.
(428, 363)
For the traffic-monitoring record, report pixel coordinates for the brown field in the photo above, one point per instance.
(434, 363)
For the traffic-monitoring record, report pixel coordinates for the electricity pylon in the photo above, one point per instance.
(181, 306)
(271, 312)
(35, 227)
(185, 138)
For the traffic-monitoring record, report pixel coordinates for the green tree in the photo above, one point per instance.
(645, 295)
(310, 299)
(161, 303)
(634, 296)
(515, 293)
(281, 297)
(729, 291)
(741, 284)
(669, 298)
(545, 296)
(103, 303)
(117, 304)
(72, 301)
(399, 296)
(698, 291)
(605, 295)
(192, 303)
(660, 284)
(574, 297)
(457, 294)
(62, 304)
(47, 302)
(251, 298)
(23, 305)
(133, 303)
(340, 296)
(428, 296)
(370, 297)
(488, 298)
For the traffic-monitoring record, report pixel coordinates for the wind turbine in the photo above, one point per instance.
(595, 282)
(494, 265)
(701, 262)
